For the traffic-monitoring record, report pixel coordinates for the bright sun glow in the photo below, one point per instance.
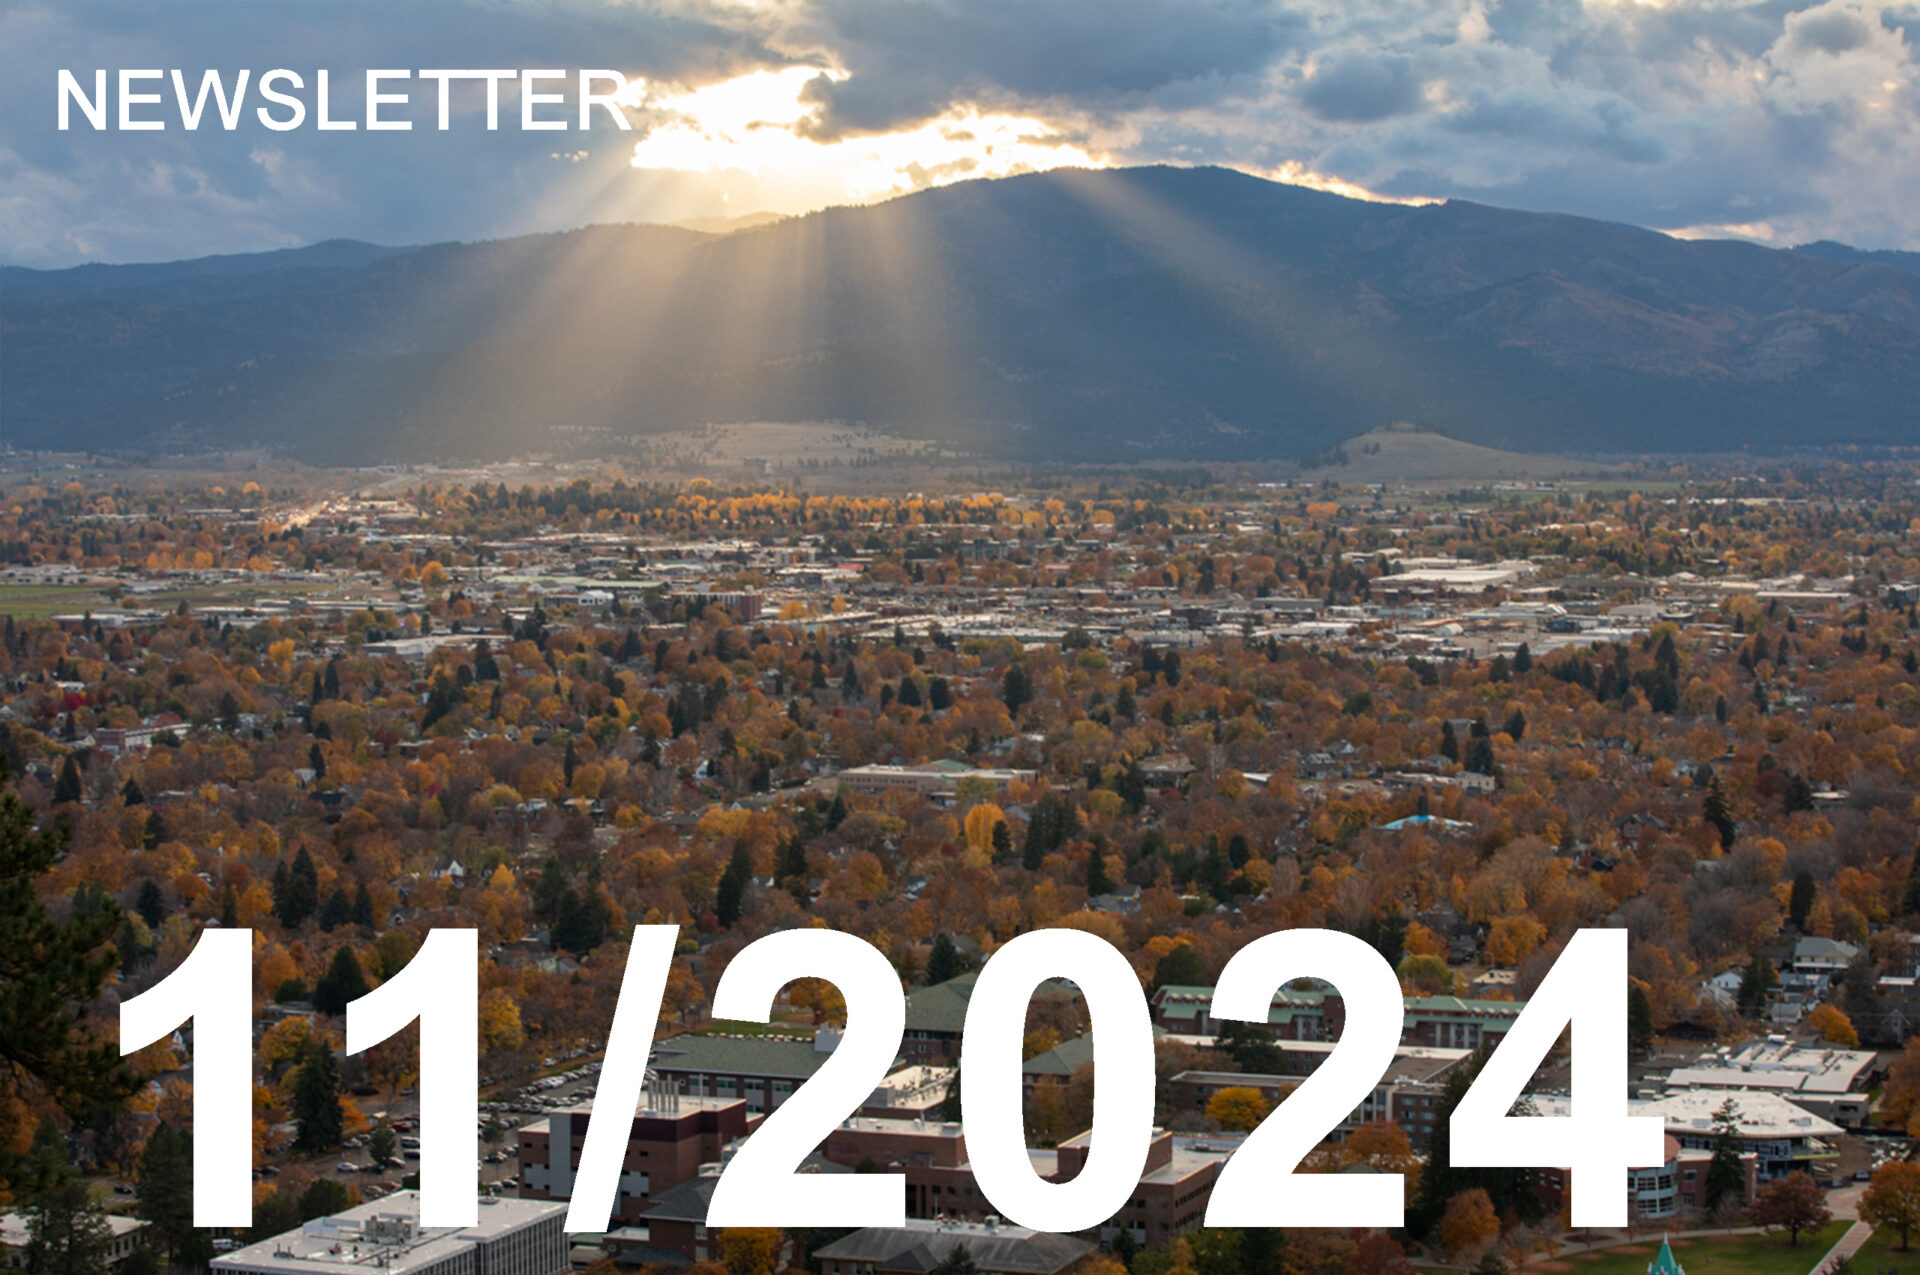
(751, 124)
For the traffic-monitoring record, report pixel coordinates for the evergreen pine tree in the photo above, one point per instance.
(731, 895)
(163, 1191)
(344, 982)
(67, 789)
(317, 1115)
(944, 962)
(1639, 1022)
(1800, 900)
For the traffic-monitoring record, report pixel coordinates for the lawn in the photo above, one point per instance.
(1746, 1254)
(1882, 1254)
(38, 601)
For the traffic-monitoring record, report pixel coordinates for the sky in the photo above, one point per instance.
(1781, 121)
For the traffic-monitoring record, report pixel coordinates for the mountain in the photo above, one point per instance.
(1069, 315)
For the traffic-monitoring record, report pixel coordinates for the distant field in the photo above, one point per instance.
(38, 601)
(1403, 453)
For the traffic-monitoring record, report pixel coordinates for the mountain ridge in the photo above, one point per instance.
(1111, 314)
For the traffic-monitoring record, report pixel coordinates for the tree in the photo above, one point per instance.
(1180, 967)
(163, 1189)
(381, 1144)
(67, 789)
(1098, 883)
(66, 1232)
(317, 1114)
(1834, 1025)
(1793, 1203)
(296, 891)
(1726, 1176)
(1237, 1108)
(49, 970)
(1900, 1100)
(323, 1198)
(750, 1250)
(1469, 1222)
(1800, 901)
(958, 1261)
(944, 961)
(1756, 984)
(1251, 1047)
(731, 895)
(1639, 1022)
(1718, 816)
(343, 982)
(1016, 689)
(1893, 1200)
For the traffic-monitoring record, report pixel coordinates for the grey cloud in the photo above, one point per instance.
(1828, 31)
(910, 59)
(1363, 89)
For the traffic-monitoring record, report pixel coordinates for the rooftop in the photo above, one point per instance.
(384, 1235)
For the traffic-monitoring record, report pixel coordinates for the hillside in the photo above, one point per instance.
(1132, 314)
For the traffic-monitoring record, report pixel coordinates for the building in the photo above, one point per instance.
(763, 1071)
(513, 1237)
(1174, 1187)
(16, 1234)
(1408, 1094)
(941, 780)
(1835, 1084)
(919, 1246)
(1440, 1022)
(1782, 1137)
(671, 1137)
(935, 1017)
(932, 1156)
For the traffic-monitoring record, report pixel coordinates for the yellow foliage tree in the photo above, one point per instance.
(1237, 1108)
(1832, 1022)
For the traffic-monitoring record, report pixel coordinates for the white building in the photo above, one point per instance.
(15, 1236)
(514, 1237)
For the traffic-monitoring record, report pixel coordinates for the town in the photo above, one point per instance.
(1176, 714)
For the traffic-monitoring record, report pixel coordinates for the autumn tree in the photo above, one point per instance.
(1892, 1200)
(750, 1250)
(1834, 1026)
(1469, 1222)
(1237, 1108)
(1793, 1203)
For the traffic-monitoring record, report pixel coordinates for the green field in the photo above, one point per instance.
(38, 601)
(1882, 1254)
(1745, 1254)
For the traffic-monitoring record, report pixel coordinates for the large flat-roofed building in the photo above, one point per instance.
(671, 1137)
(941, 779)
(919, 1246)
(513, 1237)
(1835, 1084)
(1442, 1022)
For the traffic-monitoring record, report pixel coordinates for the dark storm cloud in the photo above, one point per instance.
(1360, 90)
(911, 59)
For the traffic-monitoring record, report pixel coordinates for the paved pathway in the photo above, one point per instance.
(1850, 1243)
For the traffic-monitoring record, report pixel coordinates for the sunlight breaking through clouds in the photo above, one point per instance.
(755, 124)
